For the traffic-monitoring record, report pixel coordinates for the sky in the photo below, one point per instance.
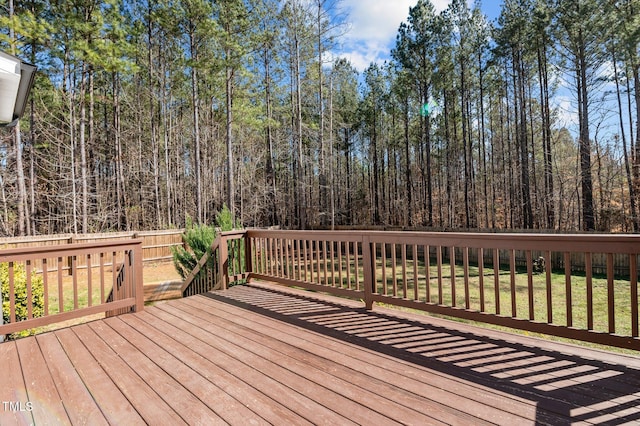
(374, 25)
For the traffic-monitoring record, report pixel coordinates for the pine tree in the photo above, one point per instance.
(580, 34)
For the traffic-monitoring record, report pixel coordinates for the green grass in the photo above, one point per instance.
(517, 290)
(82, 290)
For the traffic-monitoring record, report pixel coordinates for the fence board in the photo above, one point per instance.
(156, 245)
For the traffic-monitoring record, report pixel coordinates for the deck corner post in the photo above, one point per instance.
(369, 271)
(223, 259)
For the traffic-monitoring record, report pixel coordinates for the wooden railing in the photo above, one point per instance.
(468, 276)
(50, 296)
(223, 266)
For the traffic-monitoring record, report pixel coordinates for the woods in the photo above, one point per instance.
(147, 113)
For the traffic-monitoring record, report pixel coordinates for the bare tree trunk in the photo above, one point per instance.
(231, 190)
(17, 138)
(91, 178)
(270, 169)
(121, 193)
(546, 136)
(322, 181)
(636, 151)
(407, 156)
(482, 144)
(332, 163)
(22, 190)
(72, 142)
(527, 211)
(154, 126)
(196, 123)
(465, 146)
(588, 214)
(83, 150)
(32, 155)
(632, 196)
(302, 204)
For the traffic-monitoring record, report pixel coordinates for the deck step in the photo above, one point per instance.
(164, 290)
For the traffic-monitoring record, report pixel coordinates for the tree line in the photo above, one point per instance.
(149, 112)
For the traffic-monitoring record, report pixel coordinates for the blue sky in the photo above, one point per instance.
(374, 25)
(373, 28)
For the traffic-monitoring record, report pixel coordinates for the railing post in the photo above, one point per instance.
(369, 271)
(248, 255)
(71, 240)
(138, 277)
(223, 262)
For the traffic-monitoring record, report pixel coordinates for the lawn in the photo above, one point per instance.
(441, 288)
(438, 285)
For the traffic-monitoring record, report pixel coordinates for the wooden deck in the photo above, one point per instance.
(265, 355)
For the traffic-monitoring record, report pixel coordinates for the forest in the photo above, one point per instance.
(148, 114)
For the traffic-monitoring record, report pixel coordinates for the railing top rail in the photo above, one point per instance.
(96, 236)
(597, 243)
(302, 235)
(22, 253)
(233, 234)
(201, 262)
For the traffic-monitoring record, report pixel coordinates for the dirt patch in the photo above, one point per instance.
(160, 272)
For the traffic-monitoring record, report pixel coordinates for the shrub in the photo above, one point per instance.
(198, 239)
(20, 290)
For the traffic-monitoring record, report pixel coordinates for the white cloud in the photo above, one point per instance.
(376, 20)
(373, 28)
(567, 113)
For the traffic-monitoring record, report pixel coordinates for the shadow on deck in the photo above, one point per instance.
(567, 384)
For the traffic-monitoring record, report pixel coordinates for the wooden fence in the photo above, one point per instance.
(440, 273)
(156, 245)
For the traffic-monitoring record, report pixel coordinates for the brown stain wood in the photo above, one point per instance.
(263, 354)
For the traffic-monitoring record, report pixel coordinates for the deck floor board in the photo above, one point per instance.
(229, 368)
(371, 369)
(38, 382)
(322, 372)
(214, 375)
(13, 389)
(262, 354)
(151, 406)
(79, 404)
(114, 405)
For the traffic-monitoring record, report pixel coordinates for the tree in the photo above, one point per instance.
(344, 80)
(515, 19)
(624, 23)
(371, 111)
(541, 39)
(198, 239)
(581, 38)
(148, 112)
(197, 24)
(297, 36)
(233, 19)
(413, 52)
